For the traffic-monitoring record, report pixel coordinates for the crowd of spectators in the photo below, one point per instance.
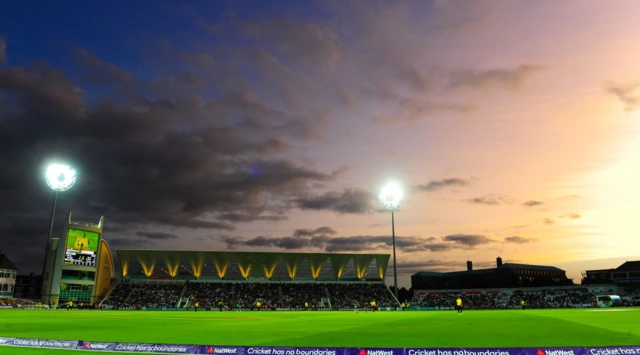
(156, 295)
(19, 302)
(119, 295)
(209, 295)
(538, 299)
(552, 298)
(631, 297)
(249, 294)
(296, 295)
(350, 295)
(476, 301)
(341, 296)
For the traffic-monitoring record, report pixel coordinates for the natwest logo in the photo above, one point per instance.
(540, 352)
(363, 352)
(96, 346)
(212, 350)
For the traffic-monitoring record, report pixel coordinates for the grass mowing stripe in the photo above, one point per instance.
(627, 324)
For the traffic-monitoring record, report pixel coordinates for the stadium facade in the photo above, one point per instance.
(627, 275)
(79, 265)
(28, 287)
(8, 272)
(506, 275)
(257, 266)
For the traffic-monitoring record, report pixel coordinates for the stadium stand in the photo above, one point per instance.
(119, 295)
(296, 295)
(346, 295)
(18, 302)
(248, 294)
(208, 295)
(154, 295)
(158, 294)
(563, 297)
(631, 297)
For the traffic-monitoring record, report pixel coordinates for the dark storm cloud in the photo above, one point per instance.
(312, 239)
(532, 203)
(490, 200)
(156, 235)
(436, 185)
(355, 201)
(166, 161)
(467, 240)
(518, 240)
(167, 167)
(629, 95)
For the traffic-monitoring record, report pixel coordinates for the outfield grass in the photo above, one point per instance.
(531, 328)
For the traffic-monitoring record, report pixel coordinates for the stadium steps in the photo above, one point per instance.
(326, 291)
(184, 289)
(133, 289)
(109, 294)
(392, 295)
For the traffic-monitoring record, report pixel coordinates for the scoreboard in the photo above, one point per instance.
(80, 257)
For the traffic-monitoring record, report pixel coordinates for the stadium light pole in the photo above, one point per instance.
(60, 178)
(391, 197)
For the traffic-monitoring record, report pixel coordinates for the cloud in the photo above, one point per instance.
(490, 200)
(571, 216)
(518, 240)
(347, 201)
(314, 232)
(232, 242)
(532, 203)
(627, 94)
(548, 221)
(436, 185)
(128, 243)
(467, 240)
(3, 51)
(319, 239)
(157, 235)
(498, 78)
(409, 110)
(166, 158)
(526, 225)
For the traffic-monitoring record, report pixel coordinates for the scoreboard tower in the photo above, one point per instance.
(79, 265)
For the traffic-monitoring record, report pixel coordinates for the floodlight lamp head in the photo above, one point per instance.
(60, 177)
(391, 196)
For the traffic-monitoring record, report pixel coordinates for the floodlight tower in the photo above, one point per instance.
(60, 178)
(391, 196)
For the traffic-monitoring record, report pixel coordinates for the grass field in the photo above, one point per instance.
(531, 328)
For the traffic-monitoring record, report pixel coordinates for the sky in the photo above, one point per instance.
(513, 127)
